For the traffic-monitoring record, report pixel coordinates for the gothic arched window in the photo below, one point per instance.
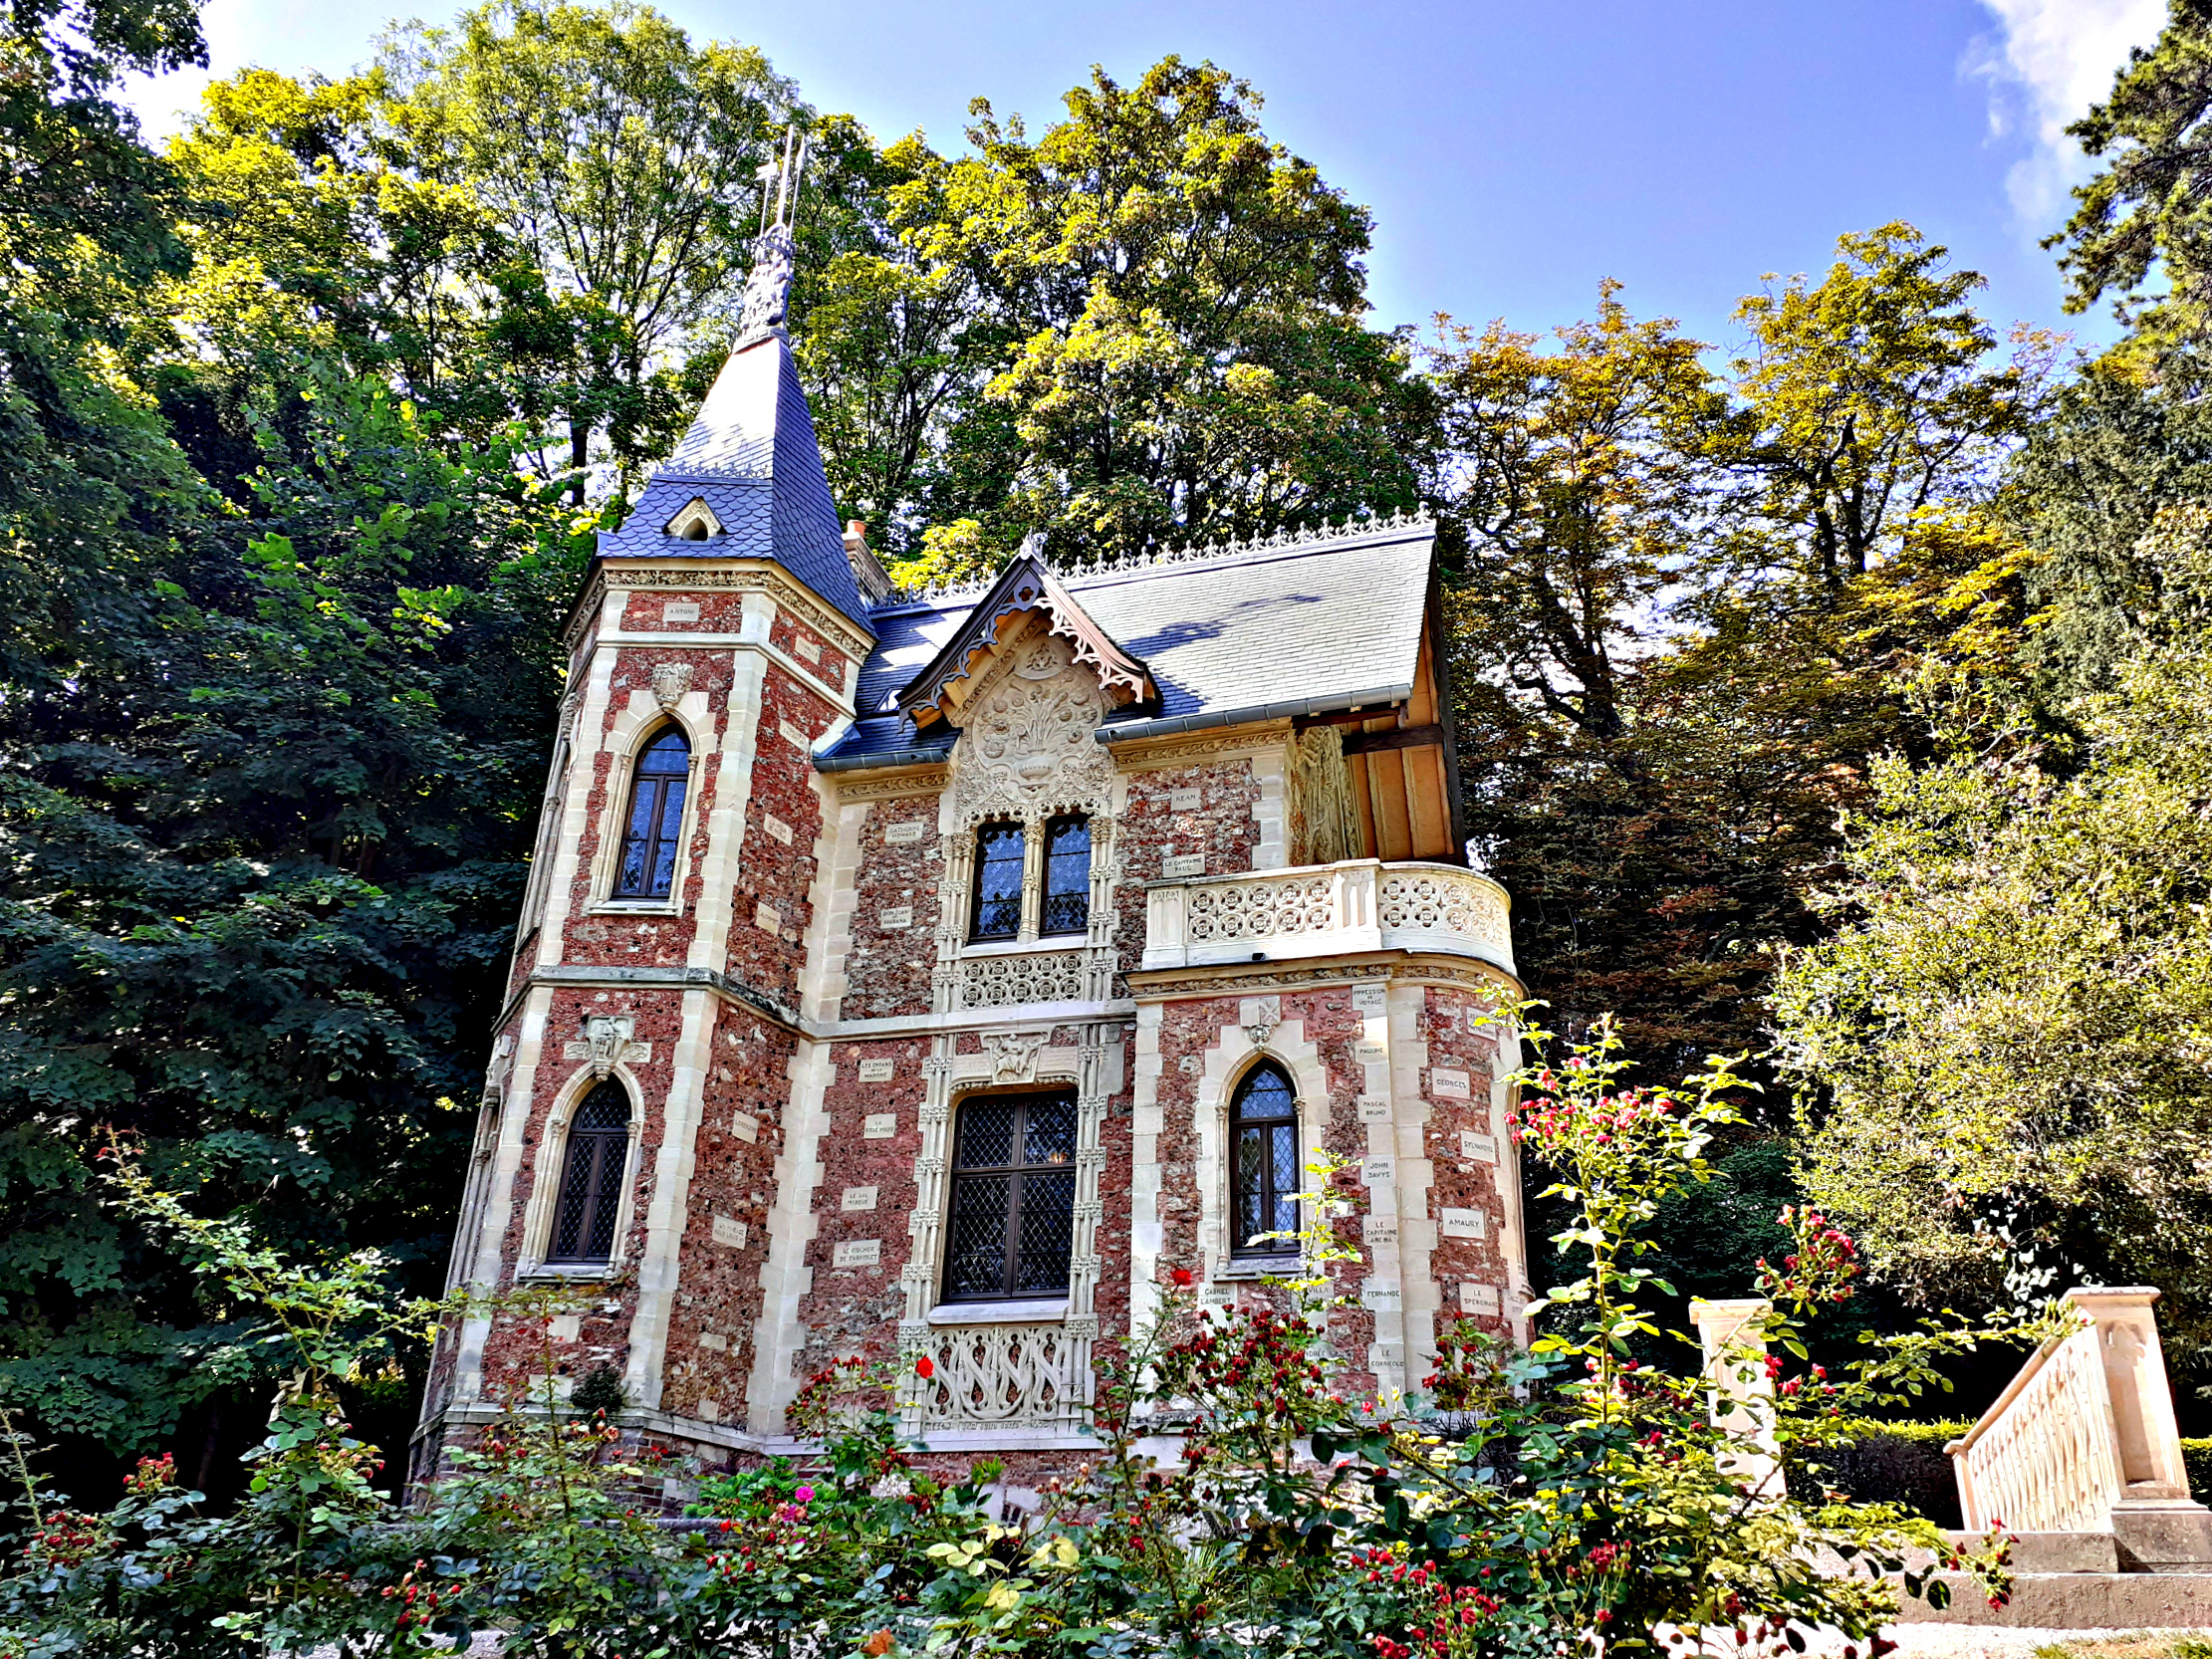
(1012, 1211)
(591, 1178)
(998, 881)
(1067, 875)
(655, 819)
(1263, 1141)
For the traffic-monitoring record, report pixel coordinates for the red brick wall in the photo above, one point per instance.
(887, 968)
(1221, 826)
(1464, 1183)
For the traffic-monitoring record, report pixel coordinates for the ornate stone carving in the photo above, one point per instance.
(671, 681)
(607, 1043)
(1263, 909)
(1011, 980)
(1260, 1015)
(986, 1376)
(1013, 1055)
(767, 287)
(1027, 747)
(1324, 819)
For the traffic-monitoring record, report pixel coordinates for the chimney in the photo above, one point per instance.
(875, 582)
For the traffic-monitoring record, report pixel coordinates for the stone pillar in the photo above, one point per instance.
(2154, 1520)
(1739, 1392)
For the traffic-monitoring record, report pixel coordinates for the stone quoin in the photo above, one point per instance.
(935, 974)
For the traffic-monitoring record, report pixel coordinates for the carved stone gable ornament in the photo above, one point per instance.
(1014, 1054)
(607, 1043)
(1027, 749)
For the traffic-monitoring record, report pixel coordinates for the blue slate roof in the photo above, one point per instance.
(751, 457)
(1304, 623)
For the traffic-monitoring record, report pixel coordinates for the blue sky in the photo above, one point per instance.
(1514, 153)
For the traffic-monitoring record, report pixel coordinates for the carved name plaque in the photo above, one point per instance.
(792, 734)
(1479, 1298)
(1184, 801)
(898, 917)
(1481, 1149)
(1462, 1224)
(1374, 1108)
(728, 1229)
(898, 834)
(1371, 999)
(1382, 1299)
(1379, 1172)
(1379, 1230)
(1447, 1084)
(880, 1125)
(856, 1252)
(714, 1342)
(745, 1127)
(767, 918)
(778, 828)
(1182, 863)
(876, 1070)
(1370, 1054)
(807, 648)
(858, 1198)
(680, 610)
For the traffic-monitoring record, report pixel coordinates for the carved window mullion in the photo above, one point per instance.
(931, 1163)
(1033, 875)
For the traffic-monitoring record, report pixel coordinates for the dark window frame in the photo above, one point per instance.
(1016, 1176)
(1275, 1124)
(651, 876)
(1079, 891)
(595, 1158)
(983, 866)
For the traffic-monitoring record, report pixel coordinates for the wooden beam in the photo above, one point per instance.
(1404, 737)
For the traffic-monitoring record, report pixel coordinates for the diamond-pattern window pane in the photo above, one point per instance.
(1266, 1094)
(1286, 1181)
(655, 819)
(606, 1107)
(1048, 1226)
(1051, 1137)
(998, 881)
(1067, 876)
(975, 1245)
(987, 1133)
(1265, 1177)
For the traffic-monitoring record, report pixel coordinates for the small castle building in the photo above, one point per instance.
(912, 975)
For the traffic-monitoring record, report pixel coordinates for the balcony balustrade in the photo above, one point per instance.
(1343, 909)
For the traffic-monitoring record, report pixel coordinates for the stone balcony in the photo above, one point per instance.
(1321, 910)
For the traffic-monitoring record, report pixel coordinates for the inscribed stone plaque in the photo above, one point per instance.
(745, 1127)
(1447, 1084)
(1217, 1296)
(1183, 801)
(898, 834)
(778, 828)
(1462, 1224)
(858, 1198)
(714, 1342)
(1182, 863)
(768, 918)
(1382, 1299)
(680, 610)
(1371, 999)
(710, 1411)
(1370, 1054)
(565, 1327)
(858, 1253)
(792, 734)
(1378, 1230)
(896, 918)
(1479, 1298)
(728, 1229)
(1379, 1172)
(807, 648)
(1481, 1149)
(880, 1125)
(876, 1070)
(1374, 1108)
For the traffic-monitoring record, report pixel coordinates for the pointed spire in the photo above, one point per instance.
(774, 258)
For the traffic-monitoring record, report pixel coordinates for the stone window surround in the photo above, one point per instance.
(1228, 1058)
(550, 1163)
(1027, 936)
(625, 741)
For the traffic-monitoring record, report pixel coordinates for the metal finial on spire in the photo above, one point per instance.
(767, 286)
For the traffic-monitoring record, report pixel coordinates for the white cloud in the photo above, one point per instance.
(2055, 59)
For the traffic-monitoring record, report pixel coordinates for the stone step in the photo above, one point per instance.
(2076, 1601)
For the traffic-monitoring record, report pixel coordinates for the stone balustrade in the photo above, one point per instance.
(1001, 1376)
(2083, 1439)
(1342, 909)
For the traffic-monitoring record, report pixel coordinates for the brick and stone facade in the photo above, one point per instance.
(1255, 740)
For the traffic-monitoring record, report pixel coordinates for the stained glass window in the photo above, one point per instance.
(998, 881)
(592, 1181)
(1263, 1138)
(1013, 1210)
(655, 819)
(1067, 875)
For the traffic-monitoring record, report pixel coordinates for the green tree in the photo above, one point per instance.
(2006, 1031)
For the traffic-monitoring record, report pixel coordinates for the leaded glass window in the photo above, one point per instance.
(591, 1178)
(998, 881)
(649, 840)
(1013, 1206)
(1067, 875)
(1263, 1137)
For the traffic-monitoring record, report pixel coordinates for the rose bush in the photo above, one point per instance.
(1244, 1499)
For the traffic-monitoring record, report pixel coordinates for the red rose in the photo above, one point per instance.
(1182, 1278)
(923, 1368)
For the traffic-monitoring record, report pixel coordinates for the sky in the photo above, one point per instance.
(1514, 152)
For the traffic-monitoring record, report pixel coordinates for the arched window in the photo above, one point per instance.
(1067, 875)
(655, 819)
(1263, 1141)
(1012, 1211)
(591, 1178)
(998, 881)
